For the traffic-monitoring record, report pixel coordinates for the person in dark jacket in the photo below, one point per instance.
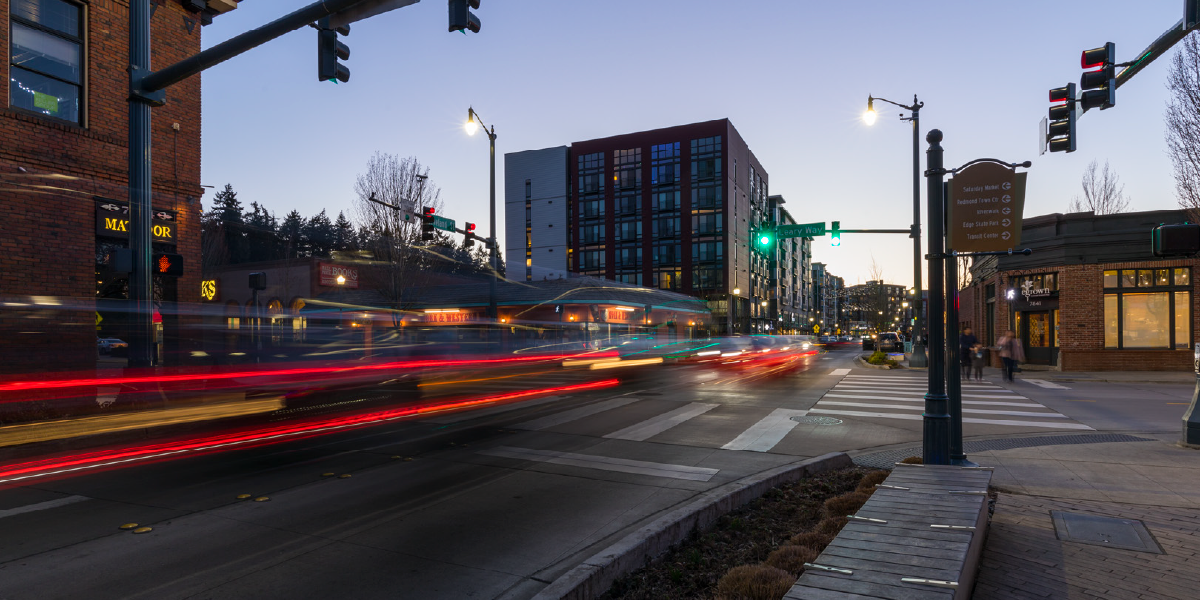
(966, 342)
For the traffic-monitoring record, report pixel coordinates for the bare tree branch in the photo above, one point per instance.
(1103, 193)
(1183, 123)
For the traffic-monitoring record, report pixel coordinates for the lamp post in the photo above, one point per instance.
(733, 309)
(472, 126)
(918, 358)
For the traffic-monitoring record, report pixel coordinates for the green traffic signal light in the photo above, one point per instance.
(836, 234)
(765, 240)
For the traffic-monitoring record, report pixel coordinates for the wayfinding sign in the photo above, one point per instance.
(984, 208)
(801, 230)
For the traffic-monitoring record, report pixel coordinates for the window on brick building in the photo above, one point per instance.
(1148, 308)
(46, 58)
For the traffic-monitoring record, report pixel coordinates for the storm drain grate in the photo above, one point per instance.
(1125, 534)
(885, 460)
(817, 420)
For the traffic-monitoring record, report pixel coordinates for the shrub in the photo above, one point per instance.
(869, 481)
(754, 582)
(879, 358)
(831, 525)
(792, 558)
(913, 460)
(813, 539)
(846, 504)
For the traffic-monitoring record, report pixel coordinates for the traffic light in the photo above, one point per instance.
(330, 50)
(1100, 86)
(1181, 239)
(764, 238)
(835, 233)
(461, 17)
(469, 240)
(167, 264)
(427, 222)
(1061, 131)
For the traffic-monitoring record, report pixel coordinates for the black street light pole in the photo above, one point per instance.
(935, 448)
(493, 312)
(918, 358)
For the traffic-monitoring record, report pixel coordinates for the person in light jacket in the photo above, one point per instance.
(1011, 352)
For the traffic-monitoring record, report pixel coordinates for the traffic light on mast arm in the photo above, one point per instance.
(835, 233)
(1061, 130)
(427, 222)
(461, 17)
(330, 50)
(764, 237)
(1100, 86)
(469, 239)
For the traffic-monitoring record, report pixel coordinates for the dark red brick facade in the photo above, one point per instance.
(53, 173)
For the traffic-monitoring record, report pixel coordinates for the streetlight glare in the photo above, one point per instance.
(869, 116)
(471, 125)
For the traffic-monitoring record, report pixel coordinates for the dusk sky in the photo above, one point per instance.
(793, 76)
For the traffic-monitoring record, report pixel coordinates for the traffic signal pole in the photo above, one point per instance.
(146, 90)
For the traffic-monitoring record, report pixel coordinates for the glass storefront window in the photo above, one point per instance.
(1110, 279)
(1111, 322)
(1145, 277)
(1183, 277)
(1039, 330)
(1146, 320)
(1128, 278)
(1056, 324)
(1183, 324)
(1162, 277)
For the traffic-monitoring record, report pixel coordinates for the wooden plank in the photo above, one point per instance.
(811, 593)
(917, 563)
(879, 590)
(949, 555)
(924, 533)
(884, 538)
(861, 564)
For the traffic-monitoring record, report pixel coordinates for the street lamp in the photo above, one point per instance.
(732, 309)
(472, 126)
(918, 358)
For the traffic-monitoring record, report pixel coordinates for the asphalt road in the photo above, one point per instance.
(493, 503)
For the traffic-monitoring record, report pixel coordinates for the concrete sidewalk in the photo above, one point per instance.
(1047, 374)
(1154, 482)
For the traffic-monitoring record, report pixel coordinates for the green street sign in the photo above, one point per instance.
(443, 223)
(800, 230)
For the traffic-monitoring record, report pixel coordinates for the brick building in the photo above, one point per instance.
(1091, 297)
(63, 170)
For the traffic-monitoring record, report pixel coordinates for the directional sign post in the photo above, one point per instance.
(443, 223)
(802, 230)
(985, 205)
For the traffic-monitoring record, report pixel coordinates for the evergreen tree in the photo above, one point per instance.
(291, 233)
(229, 209)
(262, 233)
(343, 234)
(319, 235)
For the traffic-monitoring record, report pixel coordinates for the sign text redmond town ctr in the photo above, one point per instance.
(985, 205)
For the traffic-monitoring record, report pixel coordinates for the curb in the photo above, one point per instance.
(594, 576)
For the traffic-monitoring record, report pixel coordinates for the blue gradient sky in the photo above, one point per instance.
(792, 75)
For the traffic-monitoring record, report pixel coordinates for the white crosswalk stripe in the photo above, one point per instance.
(900, 396)
(651, 427)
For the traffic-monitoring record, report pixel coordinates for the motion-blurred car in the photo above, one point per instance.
(824, 339)
(107, 345)
(890, 342)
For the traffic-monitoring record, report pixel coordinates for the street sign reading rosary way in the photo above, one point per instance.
(984, 208)
(801, 230)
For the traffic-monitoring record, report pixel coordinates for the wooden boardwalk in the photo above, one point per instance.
(919, 536)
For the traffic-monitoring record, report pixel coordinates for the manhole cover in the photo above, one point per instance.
(818, 420)
(1126, 534)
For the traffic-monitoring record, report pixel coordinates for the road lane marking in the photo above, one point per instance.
(649, 428)
(1010, 413)
(918, 393)
(840, 372)
(769, 431)
(604, 463)
(573, 414)
(919, 399)
(1046, 384)
(42, 506)
(484, 412)
(904, 417)
(923, 386)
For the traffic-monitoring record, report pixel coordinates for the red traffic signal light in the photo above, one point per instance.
(1106, 54)
(470, 228)
(1101, 84)
(167, 264)
(428, 210)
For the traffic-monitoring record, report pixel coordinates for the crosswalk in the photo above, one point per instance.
(902, 397)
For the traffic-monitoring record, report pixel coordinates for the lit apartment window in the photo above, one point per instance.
(46, 58)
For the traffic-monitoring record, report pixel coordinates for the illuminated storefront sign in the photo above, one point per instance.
(112, 220)
(208, 289)
(338, 276)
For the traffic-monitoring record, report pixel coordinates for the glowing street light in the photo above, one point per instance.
(870, 115)
(471, 125)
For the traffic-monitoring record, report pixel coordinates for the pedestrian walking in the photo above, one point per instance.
(966, 342)
(978, 360)
(1011, 352)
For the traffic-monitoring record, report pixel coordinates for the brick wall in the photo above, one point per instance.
(53, 171)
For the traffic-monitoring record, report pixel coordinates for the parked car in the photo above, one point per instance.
(107, 345)
(890, 341)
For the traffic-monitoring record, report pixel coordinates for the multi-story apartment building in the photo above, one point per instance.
(63, 164)
(881, 305)
(828, 293)
(793, 273)
(669, 208)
